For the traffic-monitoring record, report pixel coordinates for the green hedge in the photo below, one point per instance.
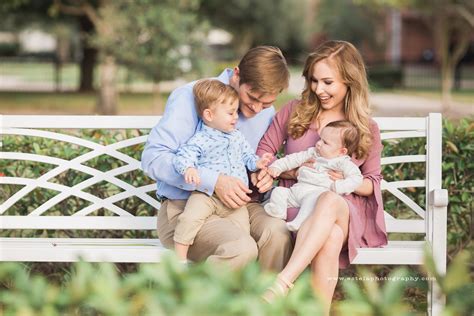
(458, 178)
(385, 76)
(170, 288)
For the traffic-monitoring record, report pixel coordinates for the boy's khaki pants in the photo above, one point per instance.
(220, 240)
(198, 209)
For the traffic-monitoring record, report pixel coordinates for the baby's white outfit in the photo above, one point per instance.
(311, 183)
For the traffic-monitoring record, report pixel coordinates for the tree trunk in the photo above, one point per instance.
(87, 64)
(89, 56)
(442, 32)
(157, 101)
(57, 74)
(107, 103)
(447, 74)
(243, 42)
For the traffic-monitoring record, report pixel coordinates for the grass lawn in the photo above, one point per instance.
(84, 103)
(463, 97)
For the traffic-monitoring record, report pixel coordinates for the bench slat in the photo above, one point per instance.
(396, 253)
(80, 121)
(401, 123)
(71, 250)
(79, 222)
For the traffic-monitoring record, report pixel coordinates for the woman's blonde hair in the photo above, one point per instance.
(348, 62)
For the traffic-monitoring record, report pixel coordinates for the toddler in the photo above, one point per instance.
(217, 146)
(338, 141)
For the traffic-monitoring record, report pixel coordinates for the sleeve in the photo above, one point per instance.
(371, 168)
(293, 161)
(352, 178)
(248, 157)
(276, 133)
(165, 139)
(188, 154)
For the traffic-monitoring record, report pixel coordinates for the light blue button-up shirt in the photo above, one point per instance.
(227, 153)
(178, 124)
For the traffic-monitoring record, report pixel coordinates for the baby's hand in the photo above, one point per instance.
(264, 161)
(191, 176)
(273, 172)
(335, 175)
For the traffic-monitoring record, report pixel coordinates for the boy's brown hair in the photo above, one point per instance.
(264, 69)
(208, 91)
(350, 136)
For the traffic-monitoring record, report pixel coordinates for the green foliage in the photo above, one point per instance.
(457, 284)
(161, 41)
(385, 76)
(458, 177)
(171, 288)
(281, 23)
(168, 288)
(369, 298)
(72, 177)
(351, 21)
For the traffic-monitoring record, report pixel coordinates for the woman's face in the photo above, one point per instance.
(328, 86)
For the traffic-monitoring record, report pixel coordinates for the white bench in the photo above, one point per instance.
(431, 218)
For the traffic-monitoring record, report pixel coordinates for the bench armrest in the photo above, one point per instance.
(439, 197)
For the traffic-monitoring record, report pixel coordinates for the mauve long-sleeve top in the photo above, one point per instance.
(366, 216)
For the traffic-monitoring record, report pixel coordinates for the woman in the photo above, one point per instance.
(336, 89)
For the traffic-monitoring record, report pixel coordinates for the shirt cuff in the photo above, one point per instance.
(208, 181)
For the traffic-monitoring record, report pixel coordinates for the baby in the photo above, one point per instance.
(338, 141)
(217, 146)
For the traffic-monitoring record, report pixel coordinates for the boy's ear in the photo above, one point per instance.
(207, 115)
(344, 150)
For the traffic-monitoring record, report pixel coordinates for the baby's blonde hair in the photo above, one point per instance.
(209, 91)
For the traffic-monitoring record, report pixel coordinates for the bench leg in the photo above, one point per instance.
(436, 299)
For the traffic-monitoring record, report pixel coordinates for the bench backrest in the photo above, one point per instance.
(58, 128)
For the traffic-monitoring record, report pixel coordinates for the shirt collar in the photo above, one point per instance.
(215, 132)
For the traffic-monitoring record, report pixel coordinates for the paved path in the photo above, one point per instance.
(391, 104)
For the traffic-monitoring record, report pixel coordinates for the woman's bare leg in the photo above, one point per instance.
(330, 209)
(325, 267)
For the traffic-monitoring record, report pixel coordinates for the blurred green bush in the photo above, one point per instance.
(9, 49)
(170, 288)
(385, 76)
(458, 178)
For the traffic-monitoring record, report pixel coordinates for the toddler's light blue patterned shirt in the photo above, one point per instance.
(227, 153)
(178, 124)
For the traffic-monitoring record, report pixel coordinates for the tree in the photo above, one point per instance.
(452, 23)
(161, 42)
(353, 22)
(282, 23)
(146, 36)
